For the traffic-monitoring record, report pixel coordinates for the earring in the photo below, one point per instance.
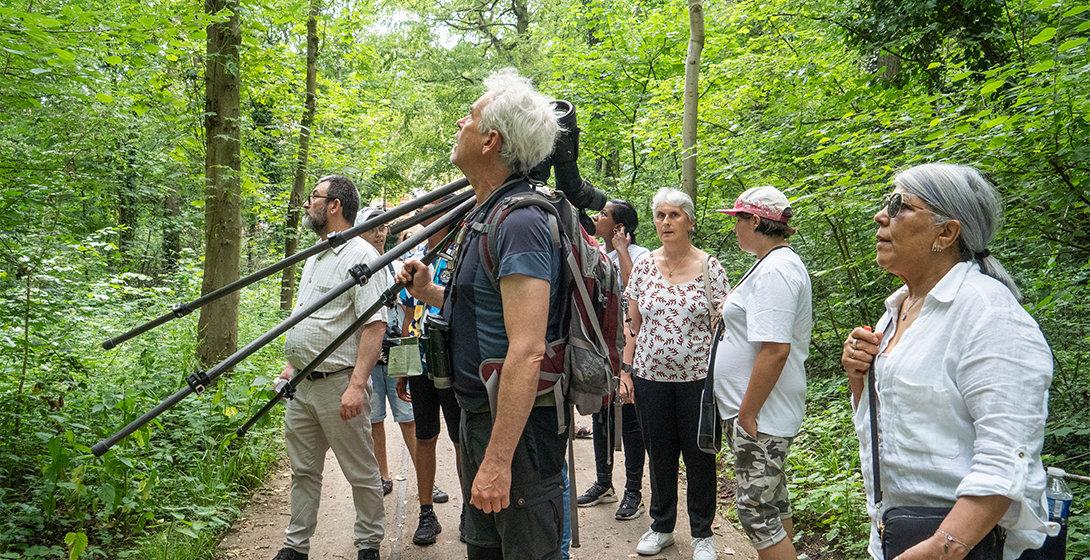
(935, 248)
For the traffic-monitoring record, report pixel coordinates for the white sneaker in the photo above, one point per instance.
(653, 542)
(704, 549)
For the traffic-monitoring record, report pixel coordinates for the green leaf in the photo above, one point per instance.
(961, 76)
(1076, 10)
(37, 71)
(1046, 34)
(1068, 45)
(115, 60)
(1042, 66)
(934, 65)
(991, 86)
(77, 543)
(64, 55)
(105, 98)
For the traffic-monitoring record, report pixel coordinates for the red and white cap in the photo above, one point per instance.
(766, 202)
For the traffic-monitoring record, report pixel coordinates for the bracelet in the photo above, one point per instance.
(627, 368)
(951, 539)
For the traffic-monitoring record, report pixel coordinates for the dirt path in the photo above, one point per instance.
(259, 534)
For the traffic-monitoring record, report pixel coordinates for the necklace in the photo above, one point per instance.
(904, 314)
(670, 273)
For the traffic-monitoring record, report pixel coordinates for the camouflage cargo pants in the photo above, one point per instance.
(761, 496)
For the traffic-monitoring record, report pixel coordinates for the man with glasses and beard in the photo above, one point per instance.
(332, 407)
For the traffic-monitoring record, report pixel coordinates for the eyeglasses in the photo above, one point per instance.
(313, 196)
(895, 202)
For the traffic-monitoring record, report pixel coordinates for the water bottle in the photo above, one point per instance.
(1059, 496)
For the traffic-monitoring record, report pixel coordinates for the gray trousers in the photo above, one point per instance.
(313, 425)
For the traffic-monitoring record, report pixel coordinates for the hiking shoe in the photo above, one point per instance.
(631, 506)
(428, 530)
(653, 542)
(704, 549)
(387, 486)
(289, 554)
(367, 554)
(438, 496)
(584, 433)
(596, 494)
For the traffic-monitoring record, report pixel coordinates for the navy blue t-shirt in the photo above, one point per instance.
(524, 246)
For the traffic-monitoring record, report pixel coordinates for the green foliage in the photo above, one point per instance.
(824, 478)
(185, 470)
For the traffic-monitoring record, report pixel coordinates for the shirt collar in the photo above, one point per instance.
(944, 291)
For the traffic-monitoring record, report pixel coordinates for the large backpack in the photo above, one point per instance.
(581, 366)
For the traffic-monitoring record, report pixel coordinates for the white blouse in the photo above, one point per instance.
(963, 399)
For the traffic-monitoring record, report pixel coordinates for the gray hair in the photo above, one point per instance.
(667, 195)
(957, 192)
(524, 118)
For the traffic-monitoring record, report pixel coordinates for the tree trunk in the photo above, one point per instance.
(172, 231)
(217, 328)
(692, 95)
(299, 183)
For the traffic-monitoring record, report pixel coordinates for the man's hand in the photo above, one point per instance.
(417, 279)
(351, 402)
(491, 489)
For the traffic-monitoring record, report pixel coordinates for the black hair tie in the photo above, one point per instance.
(981, 255)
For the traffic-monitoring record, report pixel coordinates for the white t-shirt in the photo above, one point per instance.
(771, 305)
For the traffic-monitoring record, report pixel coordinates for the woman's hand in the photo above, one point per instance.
(621, 239)
(859, 351)
(626, 390)
(402, 388)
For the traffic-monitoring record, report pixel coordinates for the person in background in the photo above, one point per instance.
(331, 408)
(672, 296)
(962, 372)
(428, 400)
(511, 467)
(384, 387)
(760, 372)
(616, 225)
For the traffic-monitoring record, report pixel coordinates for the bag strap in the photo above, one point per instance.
(872, 400)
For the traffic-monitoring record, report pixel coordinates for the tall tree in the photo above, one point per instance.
(692, 97)
(299, 183)
(217, 327)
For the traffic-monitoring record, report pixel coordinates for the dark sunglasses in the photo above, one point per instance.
(895, 203)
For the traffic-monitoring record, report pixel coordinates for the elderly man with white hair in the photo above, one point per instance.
(511, 466)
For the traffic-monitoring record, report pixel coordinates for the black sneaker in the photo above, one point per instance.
(428, 530)
(596, 494)
(387, 486)
(289, 554)
(438, 496)
(367, 554)
(631, 506)
(462, 524)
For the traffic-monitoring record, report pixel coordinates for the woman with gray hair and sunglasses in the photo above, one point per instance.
(962, 374)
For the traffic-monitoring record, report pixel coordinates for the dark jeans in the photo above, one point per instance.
(531, 528)
(669, 413)
(631, 437)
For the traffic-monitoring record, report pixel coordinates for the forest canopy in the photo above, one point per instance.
(104, 155)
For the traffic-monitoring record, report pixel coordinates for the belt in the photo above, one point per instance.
(316, 375)
(548, 399)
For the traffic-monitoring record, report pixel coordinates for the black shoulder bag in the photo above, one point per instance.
(906, 526)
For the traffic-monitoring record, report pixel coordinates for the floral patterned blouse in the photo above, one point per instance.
(675, 333)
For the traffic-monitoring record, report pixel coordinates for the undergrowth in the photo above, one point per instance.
(173, 486)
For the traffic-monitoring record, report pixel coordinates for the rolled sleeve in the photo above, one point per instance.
(1005, 388)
